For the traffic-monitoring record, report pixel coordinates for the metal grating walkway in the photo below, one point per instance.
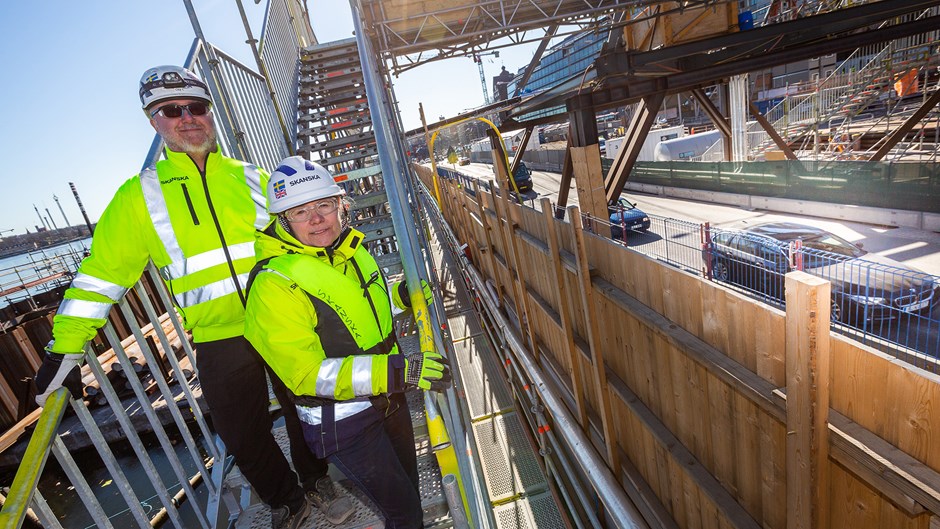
(517, 488)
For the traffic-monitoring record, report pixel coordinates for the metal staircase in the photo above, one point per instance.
(335, 129)
(847, 94)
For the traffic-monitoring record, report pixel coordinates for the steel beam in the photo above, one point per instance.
(549, 33)
(721, 122)
(769, 129)
(639, 128)
(583, 122)
(906, 127)
(781, 35)
(623, 89)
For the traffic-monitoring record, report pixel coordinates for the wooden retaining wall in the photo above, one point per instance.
(716, 410)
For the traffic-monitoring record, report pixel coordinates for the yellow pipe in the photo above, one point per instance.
(437, 190)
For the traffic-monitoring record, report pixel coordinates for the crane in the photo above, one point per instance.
(477, 59)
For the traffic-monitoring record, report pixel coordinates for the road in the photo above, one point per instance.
(919, 249)
(674, 236)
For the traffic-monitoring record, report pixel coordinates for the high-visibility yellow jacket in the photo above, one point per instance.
(322, 319)
(197, 227)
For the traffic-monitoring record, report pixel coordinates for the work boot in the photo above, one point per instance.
(283, 518)
(336, 508)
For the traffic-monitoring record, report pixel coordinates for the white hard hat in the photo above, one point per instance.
(162, 83)
(297, 181)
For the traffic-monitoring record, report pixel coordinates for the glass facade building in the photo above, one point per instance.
(567, 59)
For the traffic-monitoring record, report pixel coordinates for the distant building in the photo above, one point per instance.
(500, 84)
(567, 59)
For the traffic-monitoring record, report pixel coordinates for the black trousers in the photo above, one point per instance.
(382, 462)
(232, 376)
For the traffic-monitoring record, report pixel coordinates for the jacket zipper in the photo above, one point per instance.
(189, 202)
(218, 228)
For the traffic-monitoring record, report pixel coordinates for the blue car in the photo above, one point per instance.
(625, 217)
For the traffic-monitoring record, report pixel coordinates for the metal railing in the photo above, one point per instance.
(249, 129)
(25, 492)
(885, 305)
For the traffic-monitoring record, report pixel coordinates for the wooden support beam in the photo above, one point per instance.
(589, 183)
(769, 129)
(597, 356)
(565, 185)
(565, 310)
(640, 125)
(906, 127)
(522, 146)
(807, 368)
(491, 251)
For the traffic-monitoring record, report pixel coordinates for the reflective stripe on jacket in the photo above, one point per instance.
(199, 231)
(309, 319)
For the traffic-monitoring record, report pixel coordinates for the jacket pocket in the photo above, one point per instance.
(189, 203)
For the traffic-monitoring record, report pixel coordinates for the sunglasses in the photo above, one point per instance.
(176, 111)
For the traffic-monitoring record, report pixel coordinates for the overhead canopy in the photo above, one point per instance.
(402, 27)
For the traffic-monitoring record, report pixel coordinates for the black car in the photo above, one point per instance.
(863, 290)
(523, 177)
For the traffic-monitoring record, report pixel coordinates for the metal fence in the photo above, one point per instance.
(882, 304)
(885, 305)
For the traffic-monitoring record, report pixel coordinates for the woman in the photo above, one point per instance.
(319, 312)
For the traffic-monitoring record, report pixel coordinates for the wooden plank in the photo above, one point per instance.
(747, 463)
(879, 458)
(773, 455)
(593, 336)
(683, 459)
(522, 301)
(732, 373)
(807, 401)
(853, 504)
(889, 491)
(589, 183)
(489, 240)
(29, 352)
(564, 311)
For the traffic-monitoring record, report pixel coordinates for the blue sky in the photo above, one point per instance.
(71, 110)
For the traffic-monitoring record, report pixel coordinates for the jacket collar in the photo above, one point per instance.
(184, 162)
(275, 240)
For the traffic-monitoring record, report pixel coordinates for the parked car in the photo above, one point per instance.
(523, 177)
(625, 215)
(865, 287)
(463, 160)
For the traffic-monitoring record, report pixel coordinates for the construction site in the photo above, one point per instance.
(612, 367)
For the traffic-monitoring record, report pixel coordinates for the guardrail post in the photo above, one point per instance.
(807, 374)
(594, 339)
(565, 311)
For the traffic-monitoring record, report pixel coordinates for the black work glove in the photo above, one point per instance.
(59, 370)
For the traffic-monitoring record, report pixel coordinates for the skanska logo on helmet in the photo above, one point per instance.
(307, 178)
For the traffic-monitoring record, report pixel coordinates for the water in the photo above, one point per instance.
(35, 265)
(70, 510)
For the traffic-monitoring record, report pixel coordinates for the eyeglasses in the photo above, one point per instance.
(303, 213)
(175, 111)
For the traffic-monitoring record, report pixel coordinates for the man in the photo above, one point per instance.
(194, 214)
